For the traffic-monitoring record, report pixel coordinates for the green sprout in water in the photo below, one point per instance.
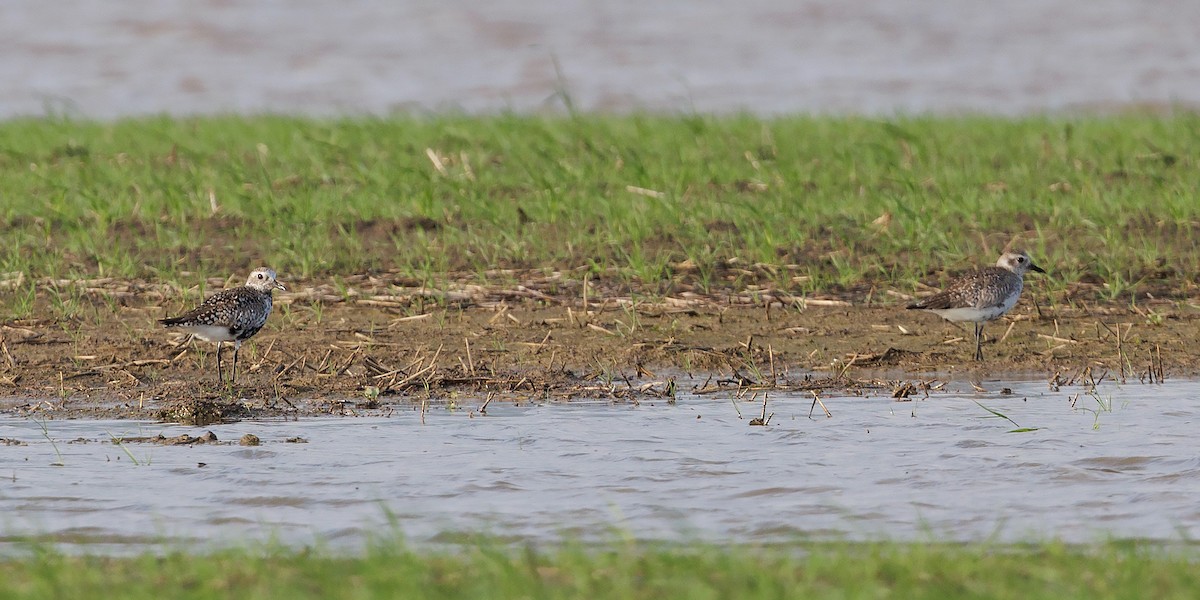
(999, 415)
(46, 434)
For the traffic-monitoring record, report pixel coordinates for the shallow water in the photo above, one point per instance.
(878, 468)
(107, 59)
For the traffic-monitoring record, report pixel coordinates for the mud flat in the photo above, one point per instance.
(373, 350)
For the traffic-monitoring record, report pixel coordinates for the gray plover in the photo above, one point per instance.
(232, 315)
(982, 295)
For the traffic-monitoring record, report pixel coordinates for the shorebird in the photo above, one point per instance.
(232, 315)
(982, 295)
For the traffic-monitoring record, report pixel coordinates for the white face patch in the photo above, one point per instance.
(262, 279)
(1017, 262)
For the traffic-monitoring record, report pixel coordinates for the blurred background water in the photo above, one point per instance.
(325, 57)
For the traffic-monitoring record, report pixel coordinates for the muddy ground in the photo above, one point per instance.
(375, 345)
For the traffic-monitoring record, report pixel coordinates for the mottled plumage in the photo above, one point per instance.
(232, 315)
(982, 295)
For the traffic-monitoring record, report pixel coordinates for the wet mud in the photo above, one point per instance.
(378, 347)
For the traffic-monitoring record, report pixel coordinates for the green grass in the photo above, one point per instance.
(852, 202)
(624, 570)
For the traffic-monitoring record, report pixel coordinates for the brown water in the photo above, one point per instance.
(878, 468)
(107, 59)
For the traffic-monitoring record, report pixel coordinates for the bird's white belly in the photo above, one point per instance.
(973, 314)
(209, 333)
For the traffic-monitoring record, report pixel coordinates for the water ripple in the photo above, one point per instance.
(942, 466)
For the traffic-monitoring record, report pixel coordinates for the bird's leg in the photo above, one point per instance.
(236, 346)
(979, 341)
(219, 344)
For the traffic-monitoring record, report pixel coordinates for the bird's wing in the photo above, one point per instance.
(939, 301)
(213, 311)
(956, 295)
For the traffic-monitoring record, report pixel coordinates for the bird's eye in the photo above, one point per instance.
(1020, 259)
(260, 275)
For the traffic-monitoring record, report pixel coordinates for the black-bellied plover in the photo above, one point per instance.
(982, 295)
(232, 315)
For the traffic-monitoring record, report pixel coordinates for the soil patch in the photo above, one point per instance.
(380, 346)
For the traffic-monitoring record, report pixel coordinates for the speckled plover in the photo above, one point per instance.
(232, 315)
(982, 295)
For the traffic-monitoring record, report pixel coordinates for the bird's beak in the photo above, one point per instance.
(279, 286)
(1036, 269)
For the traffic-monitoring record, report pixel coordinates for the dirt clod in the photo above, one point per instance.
(179, 440)
(193, 412)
